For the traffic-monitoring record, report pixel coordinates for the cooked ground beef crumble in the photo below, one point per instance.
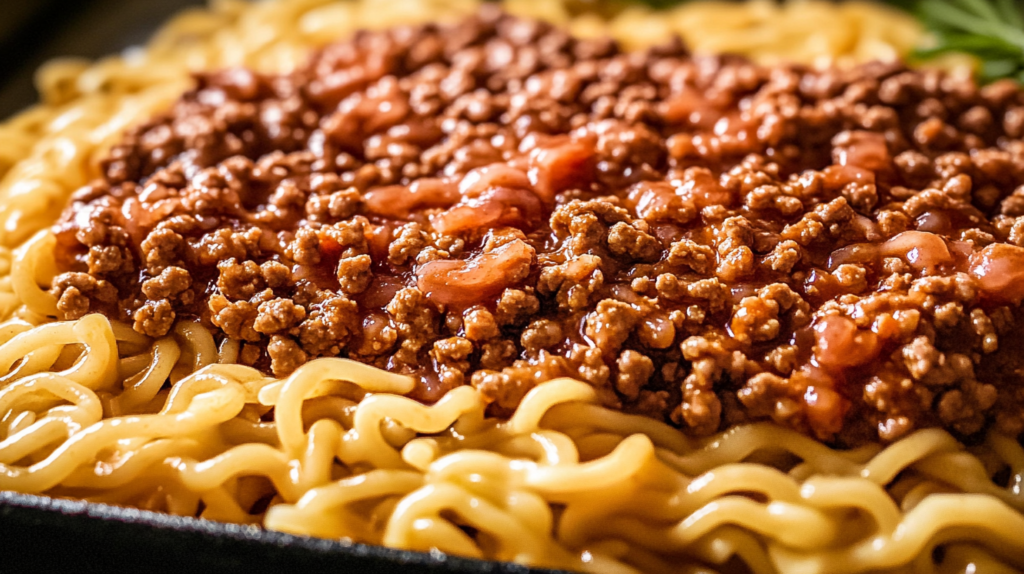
(496, 203)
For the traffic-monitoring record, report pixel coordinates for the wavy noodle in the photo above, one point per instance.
(562, 483)
(91, 409)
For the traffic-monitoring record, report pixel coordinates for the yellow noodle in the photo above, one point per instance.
(143, 387)
(506, 487)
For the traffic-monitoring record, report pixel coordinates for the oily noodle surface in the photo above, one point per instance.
(563, 483)
(86, 411)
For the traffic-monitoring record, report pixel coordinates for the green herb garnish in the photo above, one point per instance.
(992, 31)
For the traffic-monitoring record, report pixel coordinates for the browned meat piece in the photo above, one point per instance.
(703, 240)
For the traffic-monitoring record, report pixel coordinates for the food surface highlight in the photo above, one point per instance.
(558, 294)
(498, 204)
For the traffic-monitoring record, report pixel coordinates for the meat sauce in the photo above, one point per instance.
(496, 203)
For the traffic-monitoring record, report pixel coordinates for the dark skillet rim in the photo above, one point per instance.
(40, 532)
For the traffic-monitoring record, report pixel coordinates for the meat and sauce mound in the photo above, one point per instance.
(496, 203)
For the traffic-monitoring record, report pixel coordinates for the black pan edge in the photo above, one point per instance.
(40, 534)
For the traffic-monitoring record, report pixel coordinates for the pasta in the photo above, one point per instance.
(92, 409)
(348, 456)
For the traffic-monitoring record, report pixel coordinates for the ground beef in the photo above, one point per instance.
(704, 240)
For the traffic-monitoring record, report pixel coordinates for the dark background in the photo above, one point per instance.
(33, 31)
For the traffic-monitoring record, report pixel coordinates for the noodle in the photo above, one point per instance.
(85, 410)
(383, 469)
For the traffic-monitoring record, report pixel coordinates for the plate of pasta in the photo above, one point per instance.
(443, 285)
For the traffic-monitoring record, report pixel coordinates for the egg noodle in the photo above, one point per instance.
(86, 410)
